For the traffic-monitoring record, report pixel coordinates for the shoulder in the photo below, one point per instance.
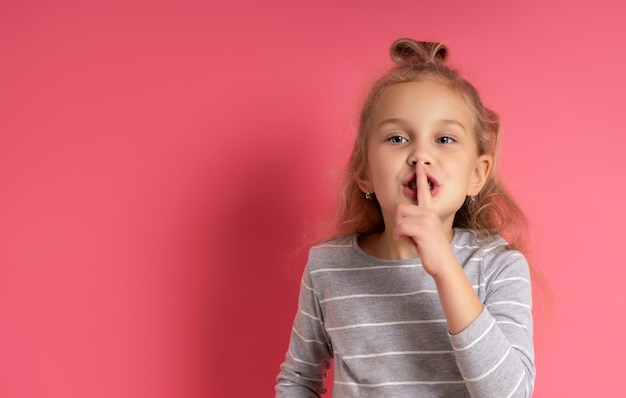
(337, 243)
(493, 252)
(332, 251)
(472, 242)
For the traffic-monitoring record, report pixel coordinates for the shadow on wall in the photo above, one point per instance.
(257, 255)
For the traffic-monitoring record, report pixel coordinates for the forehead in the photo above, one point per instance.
(423, 101)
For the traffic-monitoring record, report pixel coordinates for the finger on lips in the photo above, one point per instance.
(424, 197)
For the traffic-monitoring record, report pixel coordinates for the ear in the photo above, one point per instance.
(481, 172)
(364, 183)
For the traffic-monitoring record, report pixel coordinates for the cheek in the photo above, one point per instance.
(379, 168)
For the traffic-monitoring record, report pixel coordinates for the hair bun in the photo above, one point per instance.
(409, 51)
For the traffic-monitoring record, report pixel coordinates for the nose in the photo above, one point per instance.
(420, 154)
(414, 163)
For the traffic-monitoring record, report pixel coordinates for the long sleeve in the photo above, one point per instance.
(495, 353)
(303, 372)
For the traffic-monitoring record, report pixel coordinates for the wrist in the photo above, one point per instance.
(447, 267)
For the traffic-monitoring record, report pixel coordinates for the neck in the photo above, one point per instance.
(382, 245)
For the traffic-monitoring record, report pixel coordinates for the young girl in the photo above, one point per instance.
(419, 295)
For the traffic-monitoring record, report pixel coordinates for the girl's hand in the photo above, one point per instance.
(422, 225)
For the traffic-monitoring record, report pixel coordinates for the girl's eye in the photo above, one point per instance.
(444, 140)
(397, 139)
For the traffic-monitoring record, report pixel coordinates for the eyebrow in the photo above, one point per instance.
(392, 121)
(447, 122)
(402, 122)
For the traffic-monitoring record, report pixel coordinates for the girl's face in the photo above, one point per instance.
(423, 121)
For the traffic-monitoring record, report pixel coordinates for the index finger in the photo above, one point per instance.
(424, 197)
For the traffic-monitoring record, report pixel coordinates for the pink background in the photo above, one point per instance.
(163, 163)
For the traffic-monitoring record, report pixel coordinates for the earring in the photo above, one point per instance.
(473, 197)
(368, 195)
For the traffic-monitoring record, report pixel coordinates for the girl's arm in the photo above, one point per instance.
(492, 340)
(303, 372)
(495, 352)
(459, 301)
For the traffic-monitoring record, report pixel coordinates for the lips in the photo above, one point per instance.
(413, 184)
(410, 185)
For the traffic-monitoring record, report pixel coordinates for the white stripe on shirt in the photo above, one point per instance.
(293, 329)
(399, 383)
(384, 354)
(508, 302)
(377, 295)
(376, 267)
(492, 369)
(367, 325)
(477, 339)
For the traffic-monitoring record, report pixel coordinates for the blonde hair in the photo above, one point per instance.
(492, 212)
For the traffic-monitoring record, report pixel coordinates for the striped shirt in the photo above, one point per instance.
(381, 324)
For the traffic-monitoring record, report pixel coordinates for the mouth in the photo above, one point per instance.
(411, 185)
